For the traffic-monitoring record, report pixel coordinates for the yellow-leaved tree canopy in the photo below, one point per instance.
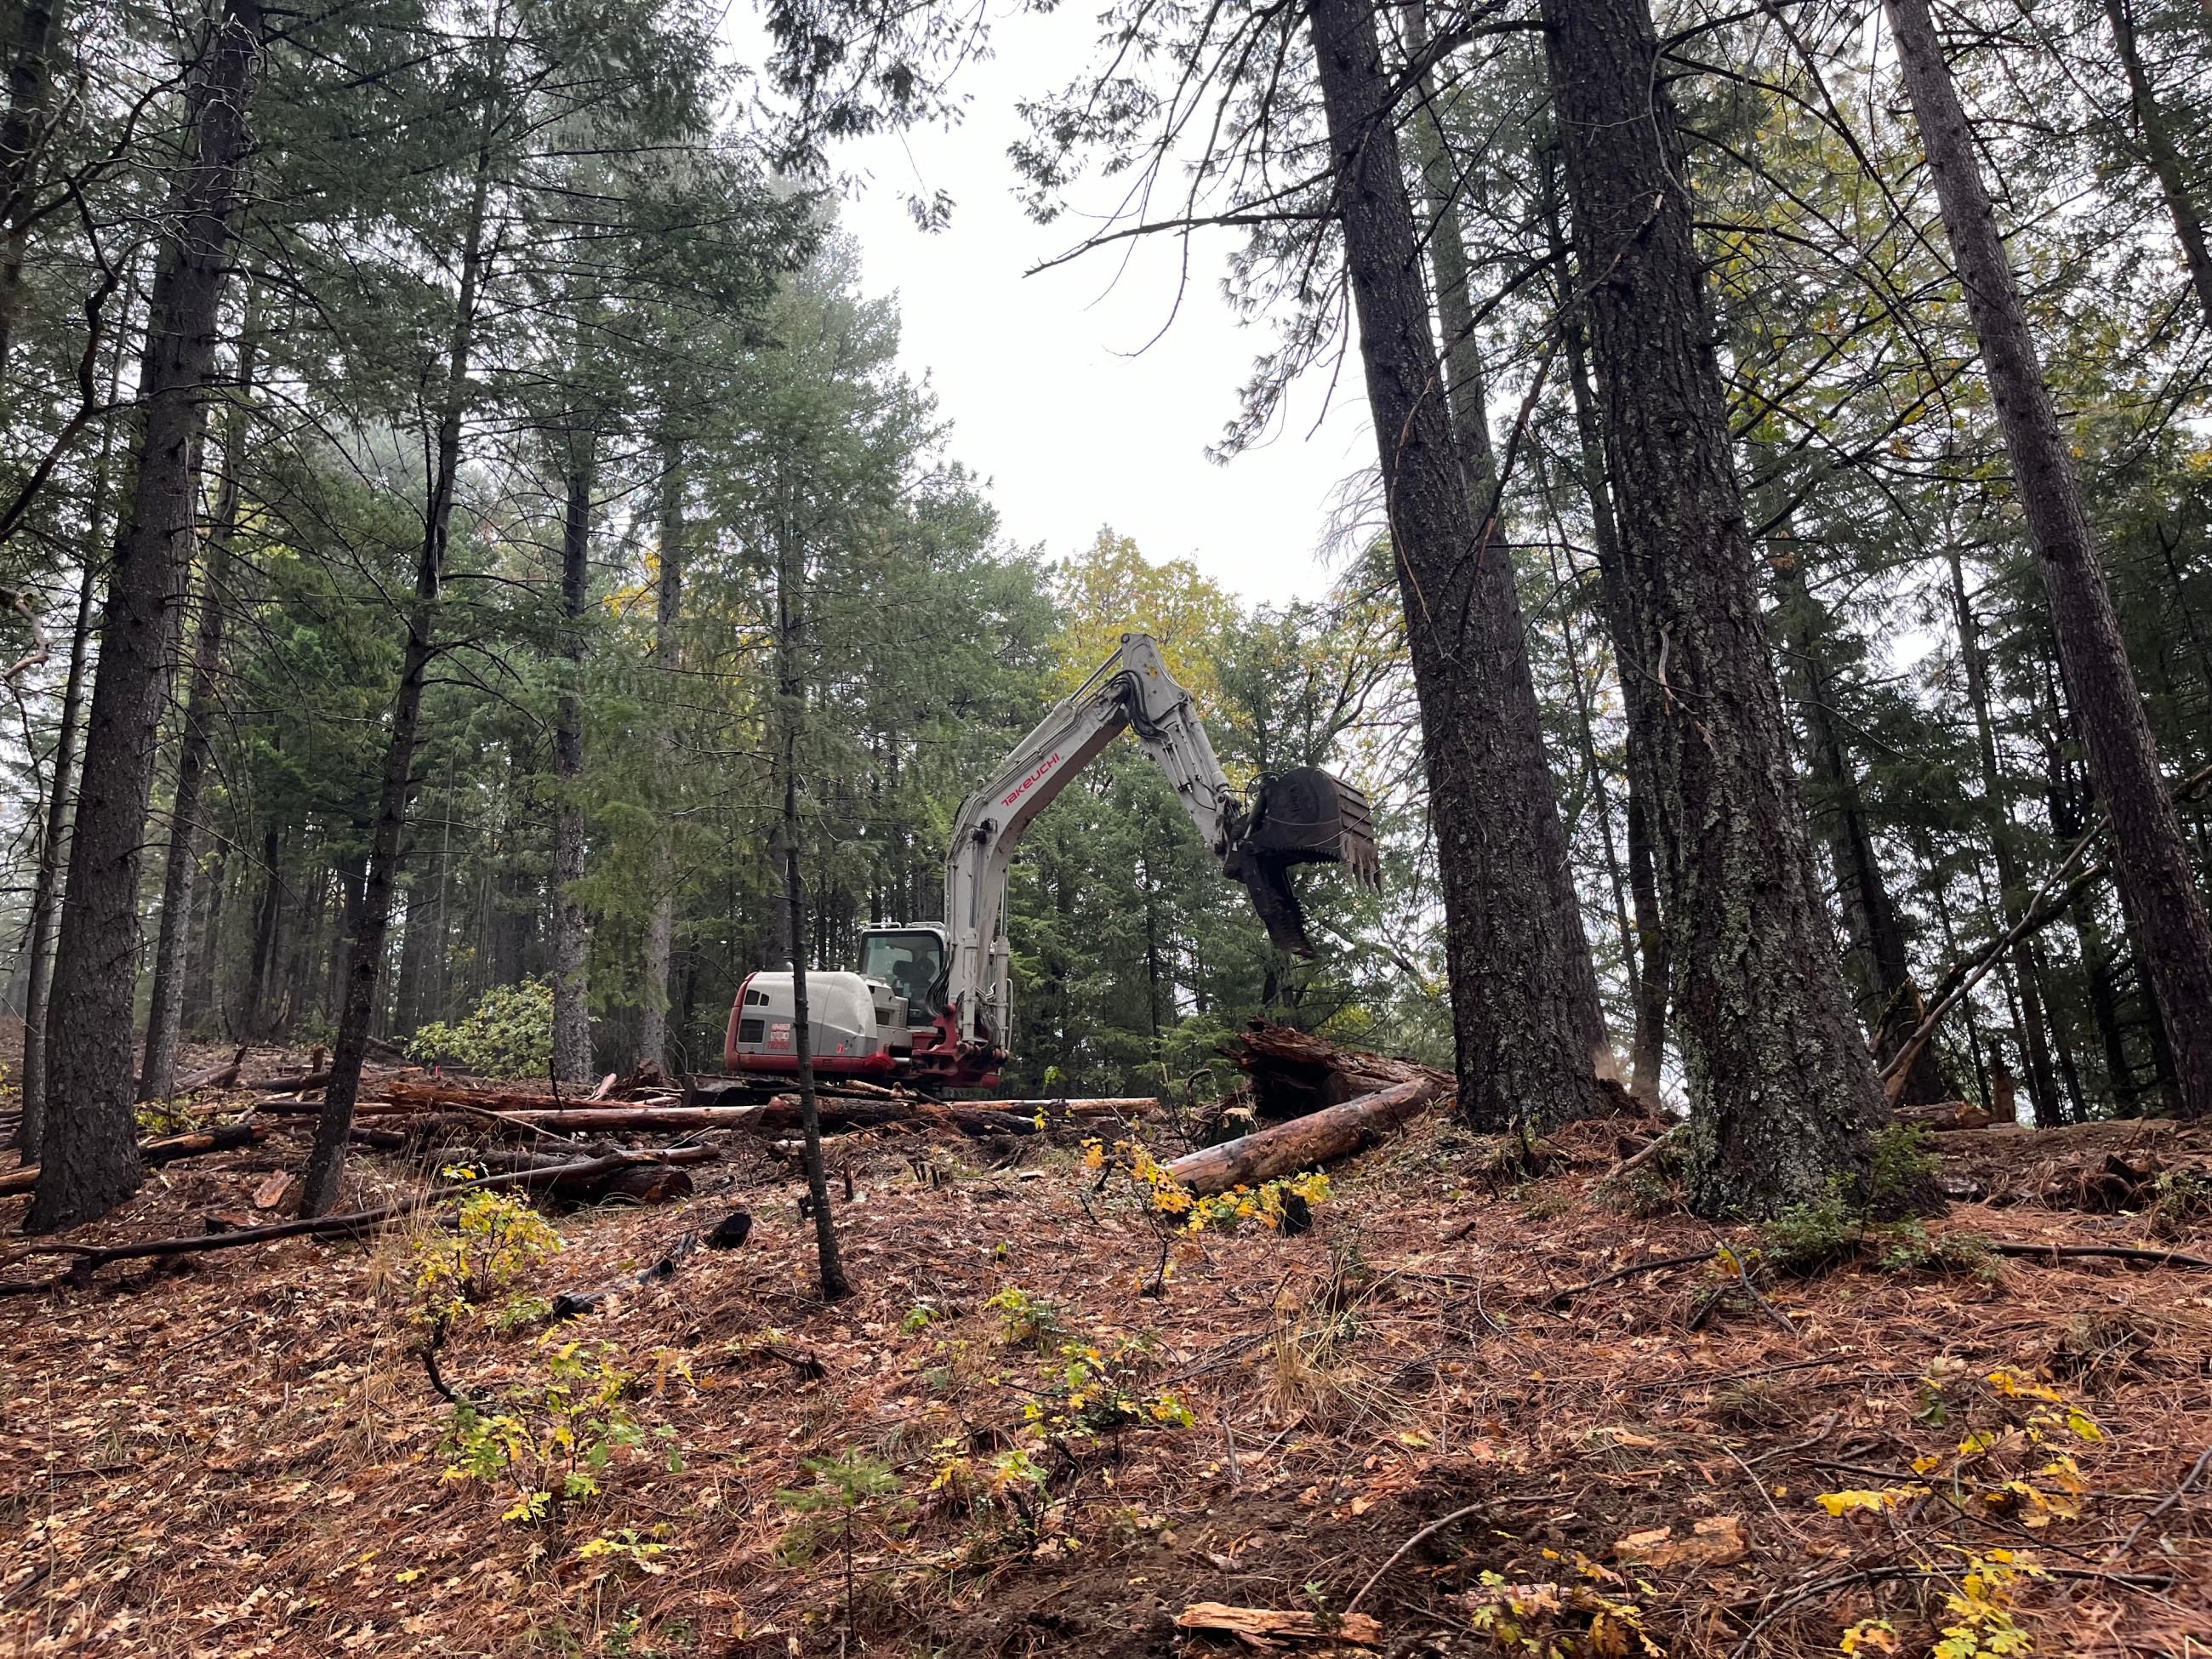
(1111, 589)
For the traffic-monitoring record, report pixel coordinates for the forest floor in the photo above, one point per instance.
(1002, 1444)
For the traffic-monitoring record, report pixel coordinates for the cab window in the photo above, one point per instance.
(910, 963)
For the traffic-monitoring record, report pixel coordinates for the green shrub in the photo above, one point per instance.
(510, 1034)
(472, 1272)
(1907, 1247)
(553, 1442)
(2180, 1199)
(1026, 1320)
(1903, 1169)
(1804, 1238)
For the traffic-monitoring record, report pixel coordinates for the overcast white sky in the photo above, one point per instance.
(1051, 397)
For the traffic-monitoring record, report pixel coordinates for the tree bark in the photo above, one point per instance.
(418, 941)
(30, 56)
(2035, 1042)
(365, 962)
(1524, 999)
(2165, 159)
(668, 647)
(572, 1019)
(45, 890)
(1782, 1098)
(253, 1012)
(1465, 392)
(1579, 693)
(2151, 859)
(165, 1011)
(90, 1149)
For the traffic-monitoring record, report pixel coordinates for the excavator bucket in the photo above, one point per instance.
(1301, 817)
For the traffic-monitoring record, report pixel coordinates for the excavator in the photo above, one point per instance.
(929, 1004)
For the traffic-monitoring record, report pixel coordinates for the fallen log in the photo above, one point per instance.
(1305, 1142)
(1110, 1106)
(1294, 1072)
(1944, 1115)
(92, 1257)
(973, 1119)
(214, 1077)
(778, 1117)
(2055, 1254)
(293, 1083)
(413, 1097)
(164, 1149)
(724, 1091)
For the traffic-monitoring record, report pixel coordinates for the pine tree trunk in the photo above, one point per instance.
(667, 645)
(2062, 1046)
(347, 895)
(203, 966)
(253, 1009)
(1890, 1005)
(2150, 857)
(2165, 159)
(572, 1019)
(407, 985)
(1524, 994)
(1783, 1097)
(89, 1155)
(2097, 954)
(830, 1269)
(1601, 800)
(30, 54)
(46, 883)
(1647, 1048)
(301, 944)
(365, 962)
(2042, 1088)
(1466, 394)
(165, 1011)
(45, 891)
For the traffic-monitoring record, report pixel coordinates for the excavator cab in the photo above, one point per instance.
(1304, 816)
(911, 961)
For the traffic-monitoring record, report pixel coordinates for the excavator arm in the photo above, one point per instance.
(1302, 816)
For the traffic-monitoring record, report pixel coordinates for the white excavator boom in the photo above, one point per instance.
(943, 992)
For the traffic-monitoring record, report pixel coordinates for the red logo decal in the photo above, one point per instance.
(1044, 768)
